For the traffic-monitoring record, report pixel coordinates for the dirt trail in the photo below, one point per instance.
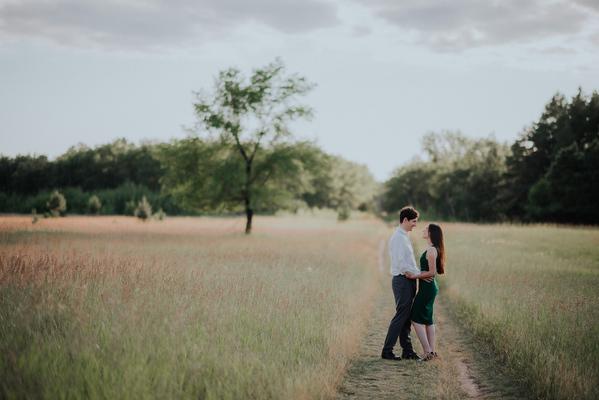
(462, 370)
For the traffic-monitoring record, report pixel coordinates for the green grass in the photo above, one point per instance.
(186, 310)
(531, 293)
(192, 308)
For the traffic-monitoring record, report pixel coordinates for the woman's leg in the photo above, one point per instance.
(421, 333)
(430, 333)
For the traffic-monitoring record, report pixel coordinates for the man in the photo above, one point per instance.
(404, 289)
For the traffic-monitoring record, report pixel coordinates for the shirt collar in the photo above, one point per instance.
(401, 230)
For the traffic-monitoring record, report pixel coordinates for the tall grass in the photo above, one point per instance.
(531, 292)
(186, 308)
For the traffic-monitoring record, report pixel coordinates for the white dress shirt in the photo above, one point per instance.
(402, 254)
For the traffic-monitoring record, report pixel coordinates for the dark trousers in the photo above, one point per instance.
(404, 290)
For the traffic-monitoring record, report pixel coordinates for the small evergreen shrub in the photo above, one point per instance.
(34, 215)
(57, 204)
(94, 205)
(159, 215)
(143, 210)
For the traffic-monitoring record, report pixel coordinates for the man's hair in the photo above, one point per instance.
(409, 213)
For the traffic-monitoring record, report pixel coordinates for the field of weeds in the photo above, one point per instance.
(114, 308)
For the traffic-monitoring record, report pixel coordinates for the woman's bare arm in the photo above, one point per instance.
(431, 257)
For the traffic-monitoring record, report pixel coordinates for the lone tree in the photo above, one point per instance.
(241, 152)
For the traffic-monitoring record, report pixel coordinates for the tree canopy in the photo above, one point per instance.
(241, 152)
(549, 174)
(459, 182)
(552, 170)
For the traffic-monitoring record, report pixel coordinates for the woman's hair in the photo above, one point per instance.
(436, 235)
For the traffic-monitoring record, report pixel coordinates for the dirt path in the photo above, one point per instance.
(463, 370)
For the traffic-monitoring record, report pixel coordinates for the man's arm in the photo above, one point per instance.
(396, 253)
(410, 266)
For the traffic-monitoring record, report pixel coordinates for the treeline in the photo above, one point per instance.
(550, 174)
(121, 174)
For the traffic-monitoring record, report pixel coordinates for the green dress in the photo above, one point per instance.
(422, 309)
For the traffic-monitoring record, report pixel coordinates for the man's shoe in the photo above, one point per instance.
(411, 356)
(390, 356)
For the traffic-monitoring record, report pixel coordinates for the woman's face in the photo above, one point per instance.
(425, 233)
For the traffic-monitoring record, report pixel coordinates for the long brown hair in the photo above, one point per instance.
(435, 233)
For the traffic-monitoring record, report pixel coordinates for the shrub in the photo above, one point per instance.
(57, 204)
(34, 216)
(94, 205)
(159, 215)
(143, 210)
(343, 212)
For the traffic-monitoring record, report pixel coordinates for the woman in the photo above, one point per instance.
(422, 309)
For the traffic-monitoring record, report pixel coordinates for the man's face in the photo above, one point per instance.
(411, 224)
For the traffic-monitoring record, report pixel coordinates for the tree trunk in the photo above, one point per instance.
(249, 214)
(248, 211)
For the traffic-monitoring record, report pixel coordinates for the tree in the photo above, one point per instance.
(460, 181)
(340, 184)
(107, 166)
(240, 152)
(24, 174)
(568, 192)
(561, 125)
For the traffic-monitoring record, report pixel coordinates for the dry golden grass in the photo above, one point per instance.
(190, 307)
(109, 307)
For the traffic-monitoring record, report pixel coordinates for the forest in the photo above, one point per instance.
(549, 174)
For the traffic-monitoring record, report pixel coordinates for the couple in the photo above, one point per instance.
(405, 273)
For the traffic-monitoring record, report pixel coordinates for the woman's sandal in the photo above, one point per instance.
(428, 357)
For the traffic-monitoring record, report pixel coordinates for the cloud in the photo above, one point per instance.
(556, 50)
(594, 4)
(153, 24)
(361, 30)
(463, 24)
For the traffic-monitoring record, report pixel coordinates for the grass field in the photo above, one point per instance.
(532, 294)
(109, 307)
(185, 308)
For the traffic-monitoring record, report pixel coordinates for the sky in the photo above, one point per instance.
(387, 72)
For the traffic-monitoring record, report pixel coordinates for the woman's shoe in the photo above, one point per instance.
(428, 357)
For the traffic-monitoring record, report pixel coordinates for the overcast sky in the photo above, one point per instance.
(388, 71)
